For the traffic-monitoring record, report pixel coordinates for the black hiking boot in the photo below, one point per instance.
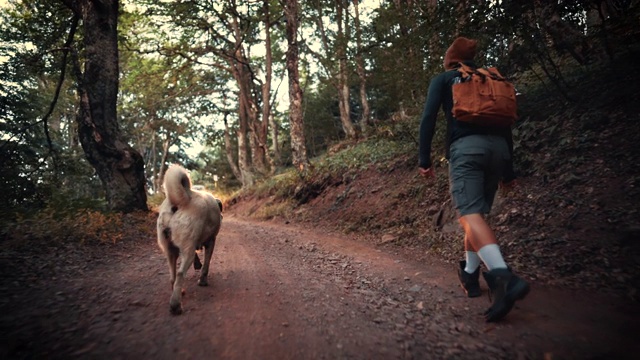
(505, 288)
(469, 282)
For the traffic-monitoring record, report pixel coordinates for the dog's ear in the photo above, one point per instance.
(219, 204)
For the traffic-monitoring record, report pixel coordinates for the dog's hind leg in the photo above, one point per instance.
(186, 259)
(170, 251)
(197, 265)
(208, 252)
(172, 256)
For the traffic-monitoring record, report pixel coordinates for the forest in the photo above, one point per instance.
(245, 89)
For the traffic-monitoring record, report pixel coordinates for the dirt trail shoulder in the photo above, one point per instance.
(284, 292)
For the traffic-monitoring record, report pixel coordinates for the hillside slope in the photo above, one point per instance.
(572, 220)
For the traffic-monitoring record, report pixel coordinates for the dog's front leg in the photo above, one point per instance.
(208, 252)
(186, 259)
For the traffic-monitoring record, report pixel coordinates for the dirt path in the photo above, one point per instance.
(281, 292)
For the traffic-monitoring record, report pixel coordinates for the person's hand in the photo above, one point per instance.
(428, 173)
(507, 187)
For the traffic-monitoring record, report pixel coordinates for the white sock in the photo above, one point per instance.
(491, 257)
(472, 262)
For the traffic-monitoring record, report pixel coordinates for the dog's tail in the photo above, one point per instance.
(177, 185)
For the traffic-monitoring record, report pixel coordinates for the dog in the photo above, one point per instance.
(188, 220)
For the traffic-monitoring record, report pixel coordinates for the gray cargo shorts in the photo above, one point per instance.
(476, 166)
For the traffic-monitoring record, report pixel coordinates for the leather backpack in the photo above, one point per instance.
(483, 96)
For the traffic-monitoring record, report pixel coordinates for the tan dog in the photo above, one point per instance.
(188, 219)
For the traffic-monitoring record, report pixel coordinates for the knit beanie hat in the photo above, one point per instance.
(462, 49)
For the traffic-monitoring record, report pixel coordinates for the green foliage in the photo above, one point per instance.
(343, 163)
(322, 120)
(362, 155)
(38, 168)
(212, 162)
(155, 200)
(282, 185)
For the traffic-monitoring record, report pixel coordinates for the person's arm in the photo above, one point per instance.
(428, 121)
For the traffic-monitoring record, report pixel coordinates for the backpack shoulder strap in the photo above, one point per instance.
(494, 73)
(466, 70)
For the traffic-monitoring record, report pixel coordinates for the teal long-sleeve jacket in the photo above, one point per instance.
(440, 96)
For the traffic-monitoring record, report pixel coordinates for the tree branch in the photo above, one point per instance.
(63, 69)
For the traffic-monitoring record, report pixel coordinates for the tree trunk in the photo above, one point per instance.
(118, 165)
(262, 134)
(298, 143)
(267, 115)
(153, 161)
(243, 136)
(343, 73)
(259, 122)
(228, 149)
(275, 145)
(243, 131)
(246, 175)
(366, 112)
(159, 177)
(563, 35)
(246, 108)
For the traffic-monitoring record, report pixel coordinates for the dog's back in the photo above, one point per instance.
(192, 216)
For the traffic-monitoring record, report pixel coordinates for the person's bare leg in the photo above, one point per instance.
(477, 231)
(483, 240)
(467, 242)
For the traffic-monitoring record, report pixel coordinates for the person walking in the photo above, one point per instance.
(480, 159)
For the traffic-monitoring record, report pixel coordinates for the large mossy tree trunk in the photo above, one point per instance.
(118, 165)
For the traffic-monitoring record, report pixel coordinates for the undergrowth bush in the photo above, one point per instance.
(280, 185)
(362, 155)
(330, 168)
(52, 226)
(65, 216)
(154, 201)
(270, 211)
